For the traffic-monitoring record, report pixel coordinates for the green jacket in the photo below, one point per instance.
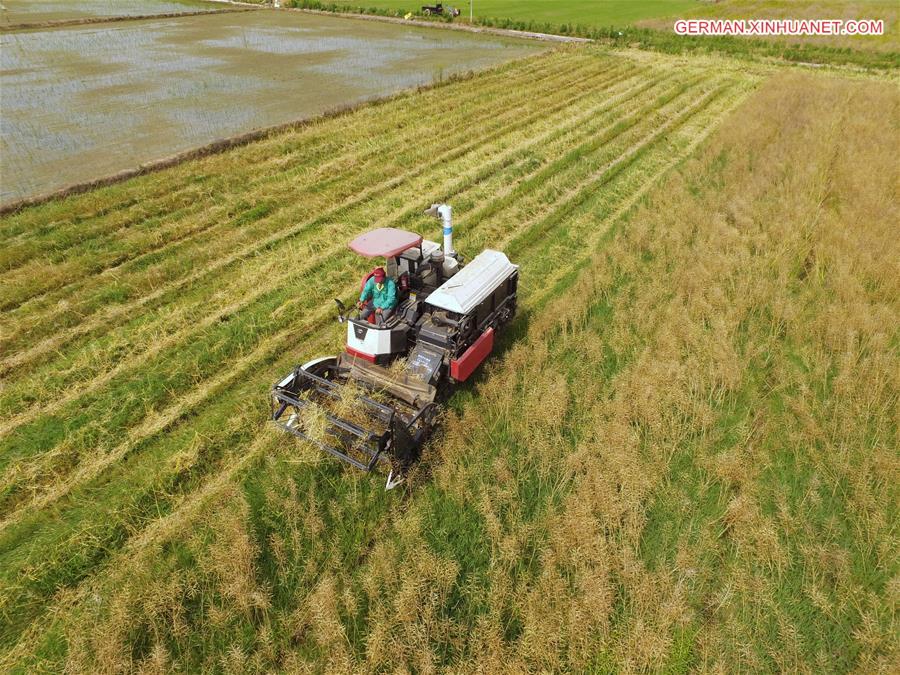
(386, 298)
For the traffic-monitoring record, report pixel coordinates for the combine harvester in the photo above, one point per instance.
(443, 328)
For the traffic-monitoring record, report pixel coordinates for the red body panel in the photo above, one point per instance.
(360, 355)
(465, 365)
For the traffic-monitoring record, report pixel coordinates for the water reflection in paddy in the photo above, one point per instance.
(80, 103)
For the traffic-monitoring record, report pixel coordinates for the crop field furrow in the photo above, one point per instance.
(233, 257)
(578, 171)
(589, 224)
(591, 189)
(526, 207)
(495, 191)
(322, 164)
(572, 161)
(171, 192)
(22, 285)
(30, 474)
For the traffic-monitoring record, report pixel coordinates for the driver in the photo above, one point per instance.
(379, 295)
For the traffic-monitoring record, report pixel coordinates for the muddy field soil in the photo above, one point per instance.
(84, 102)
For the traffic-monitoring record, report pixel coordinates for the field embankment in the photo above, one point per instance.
(682, 455)
(69, 23)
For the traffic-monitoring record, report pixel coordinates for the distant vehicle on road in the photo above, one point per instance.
(439, 10)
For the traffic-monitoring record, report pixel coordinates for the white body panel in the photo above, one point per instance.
(375, 343)
(473, 283)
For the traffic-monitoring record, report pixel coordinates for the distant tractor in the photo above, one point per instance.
(442, 329)
(438, 10)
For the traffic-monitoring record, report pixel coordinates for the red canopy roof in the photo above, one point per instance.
(385, 242)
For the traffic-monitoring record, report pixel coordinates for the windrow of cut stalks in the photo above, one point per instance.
(315, 418)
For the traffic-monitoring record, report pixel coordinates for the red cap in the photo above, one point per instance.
(379, 274)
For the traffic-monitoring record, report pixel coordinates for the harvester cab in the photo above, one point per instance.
(377, 400)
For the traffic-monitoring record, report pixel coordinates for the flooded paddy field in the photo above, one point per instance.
(85, 102)
(34, 11)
